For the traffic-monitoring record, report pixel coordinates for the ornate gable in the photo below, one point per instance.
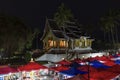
(61, 37)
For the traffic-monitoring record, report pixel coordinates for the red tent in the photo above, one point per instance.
(115, 69)
(7, 69)
(101, 75)
(59, 68)
(107, 75)
(96, 58)
(77, 60)
(103, 58)
(64, 62)
(31, 66)
(86, 67)
(91, 59)
(109, 63)
(111, 56)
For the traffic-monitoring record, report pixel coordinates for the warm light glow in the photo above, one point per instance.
(50, 43)
(32, 60)
(54, 44)
(63, 43)
(83, 56)
(63, 58)
(77, 43)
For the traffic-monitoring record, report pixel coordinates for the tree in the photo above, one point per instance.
(14, 35)
(109, 26)
(63, 14)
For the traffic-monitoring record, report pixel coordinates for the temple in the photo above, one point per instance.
(70, 38)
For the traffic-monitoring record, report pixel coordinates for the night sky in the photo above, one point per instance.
(33, 12)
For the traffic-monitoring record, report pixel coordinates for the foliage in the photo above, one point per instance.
(37, 53)
(15, 36)
(109, 25)
(28, 56)
(63, 14)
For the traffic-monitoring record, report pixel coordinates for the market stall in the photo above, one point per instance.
(71, 72)
(33, 71)
(63, 62)
(7, 72)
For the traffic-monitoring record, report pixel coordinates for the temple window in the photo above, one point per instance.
(63, 43)
(82, 42)
(52, 43)
(77, 43)
(88, 42)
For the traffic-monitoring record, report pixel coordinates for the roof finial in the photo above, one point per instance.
(31, 60)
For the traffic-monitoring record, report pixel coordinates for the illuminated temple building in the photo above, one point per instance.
(59, 39)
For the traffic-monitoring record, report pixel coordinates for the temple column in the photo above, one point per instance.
(85, 42)
(58, 44)
(90, 43)
(72, 43)
(66, 43)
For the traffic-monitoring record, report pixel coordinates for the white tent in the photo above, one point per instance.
(51, 57)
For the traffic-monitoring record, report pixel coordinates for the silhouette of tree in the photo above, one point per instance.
(63, 14)
(109, 26)
(14, 35)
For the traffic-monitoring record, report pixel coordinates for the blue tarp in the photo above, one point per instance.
(73, 71)
(117, 61)
(98, 64)
(75, 65)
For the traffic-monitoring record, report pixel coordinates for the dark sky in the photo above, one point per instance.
(33, 12)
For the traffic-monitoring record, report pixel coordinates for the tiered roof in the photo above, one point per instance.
(69, 30)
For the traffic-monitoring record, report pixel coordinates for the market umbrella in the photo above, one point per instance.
(107, 75)
(91, 76)
(72, 72)
(7, 69)
(115, 69)
(78, 60)
(31, 66)
(109, 63)
(101, 75)
(115, 58)
(115, 55)
(118, 54)
(111, 56)
(85, 68)
(103, 58)
(98, 64)
(64, 62)
(59, 68)
(117, 62)
(75, 65)
(91, 59)
(96, 57)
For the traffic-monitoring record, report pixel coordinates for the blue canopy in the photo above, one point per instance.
(117, 61)
(75, 65)
(73, 71)
(98, 64)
